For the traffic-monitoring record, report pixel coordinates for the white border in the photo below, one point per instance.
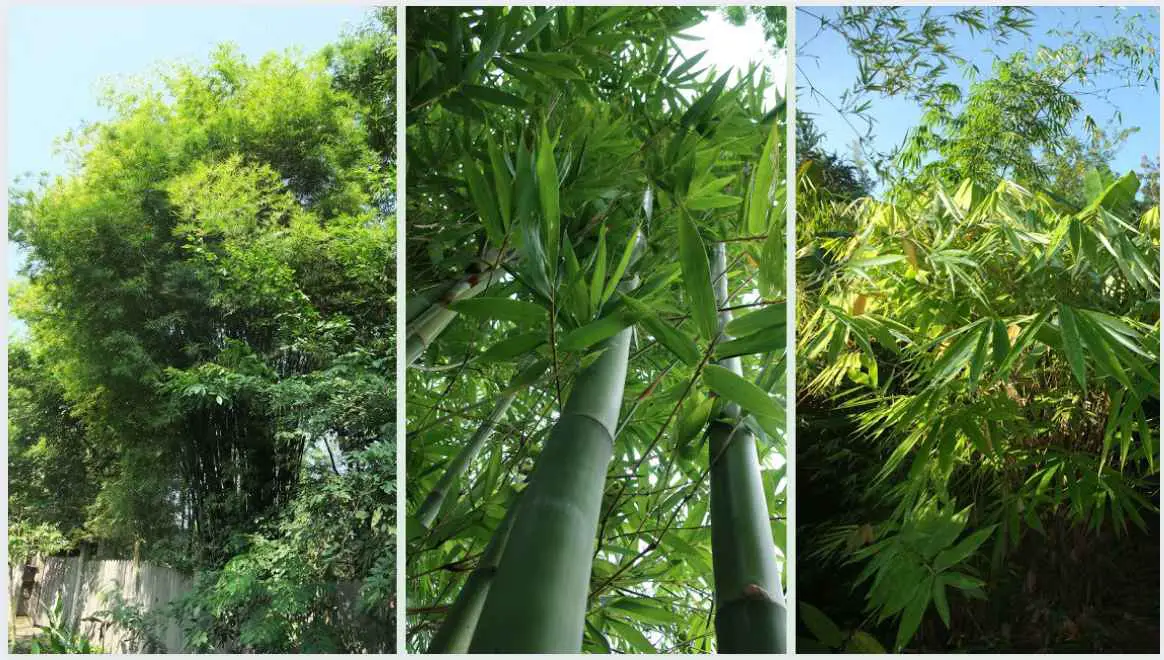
(401, 291)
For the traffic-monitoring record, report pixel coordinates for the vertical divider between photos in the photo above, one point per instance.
(401, 274)
(790, 323)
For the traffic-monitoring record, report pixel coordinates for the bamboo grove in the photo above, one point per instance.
(595, 336)
(205, 377)
(978, 350)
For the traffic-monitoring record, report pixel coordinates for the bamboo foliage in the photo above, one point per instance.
(1023, 360)
(610, 547)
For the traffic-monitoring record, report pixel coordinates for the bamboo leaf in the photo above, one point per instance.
(623, 264)
(547, 171)
(956, 356)
(760, 342)
(751, 398)
(598, 279)
(770, 317)
(580, 339)
(965, 548)
(511, 347)
(820, 626)
(502, 181)
(911, 618)
(703, 105)
(493, 95)
(711, 201)
(1001, 342)
(483, 201)
(503, 309)
(1072, 344)
(760, 192)
(1021, 343)
(697, 277)
(940, 602)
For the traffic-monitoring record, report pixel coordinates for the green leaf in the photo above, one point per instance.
(965, 548)
(862, 642)
(504, 309)
(674, 340)
(1101, 351)
(911, 618)
(751, 398)
(483, 201)
(760, 192)
(598, 278)
(770, 317)
(547, 171)
(514, 346)
(502, 181)
(820, 625)
(623, 264)
(760, 342)
(1001, 342)
(580, 339)
(703, 105)
(697, 277)
(957, 354)
(492, 95)
(940, 602)
(536, 64)
(772, 261)
(528, 376)
(712, 201)
(1021, 343)
(880, 260)
(632, 635)
(1073, 344)
(979, 359)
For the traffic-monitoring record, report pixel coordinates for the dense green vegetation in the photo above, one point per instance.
(593, 463)
(204, 376)
(978, 359)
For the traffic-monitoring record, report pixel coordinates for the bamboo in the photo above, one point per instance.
(457, 629)
(428, 509)
(537, 603)
(429, 324)
(749, 599)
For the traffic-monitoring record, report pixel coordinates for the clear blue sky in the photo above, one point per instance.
(833, 69)
(59, 56)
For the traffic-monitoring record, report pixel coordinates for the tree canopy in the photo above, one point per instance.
(209, 353)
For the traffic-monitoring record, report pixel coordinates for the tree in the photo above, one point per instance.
(209, 309)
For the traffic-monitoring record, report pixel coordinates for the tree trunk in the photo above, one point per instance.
(461, 621)
(749, 599)
(537, 603)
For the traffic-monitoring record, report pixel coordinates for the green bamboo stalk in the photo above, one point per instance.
(537, 603)
(457, 629)
(429, 324)
(428, 509)
(749, 615)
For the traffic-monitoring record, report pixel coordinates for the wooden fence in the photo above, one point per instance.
(87, 587)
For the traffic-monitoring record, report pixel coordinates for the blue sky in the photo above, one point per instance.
(58, 58)
(833, 69)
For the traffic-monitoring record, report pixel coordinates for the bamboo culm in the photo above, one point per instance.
(429, 324)
(460, 623)
(428, 509)
(750, 615)
(537, 603)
